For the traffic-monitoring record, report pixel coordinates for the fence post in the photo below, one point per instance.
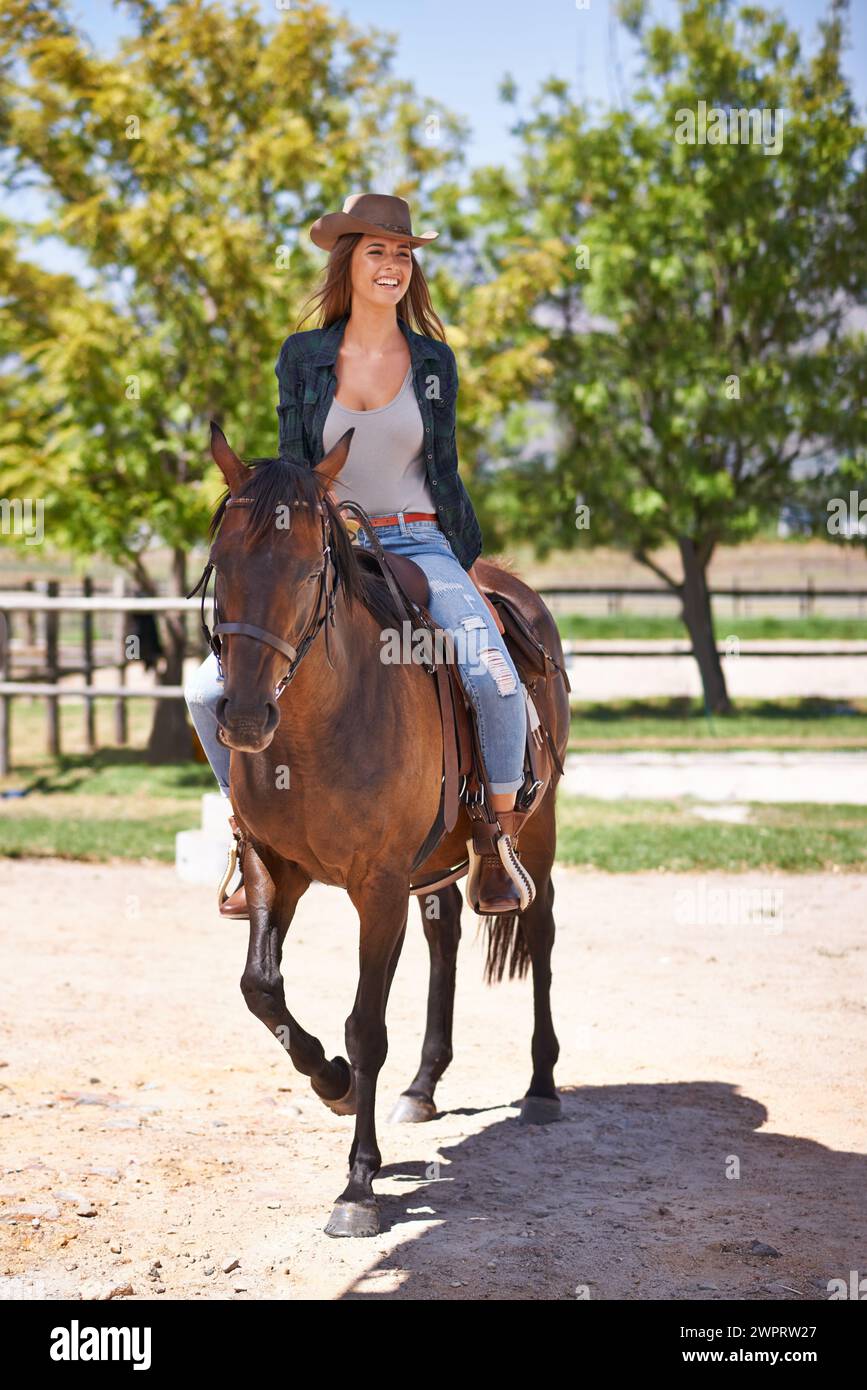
(5, 700)
(87, 652)
(30, 618)
(52, 673)
(120, 724)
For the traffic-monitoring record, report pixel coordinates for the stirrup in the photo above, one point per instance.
(515, 869)
(231, 866)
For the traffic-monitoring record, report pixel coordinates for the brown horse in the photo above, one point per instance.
(340, 783)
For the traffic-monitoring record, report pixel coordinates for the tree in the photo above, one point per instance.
(183, 170)
(685, 307)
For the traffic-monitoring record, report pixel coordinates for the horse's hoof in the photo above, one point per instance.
(540, 1110)
(412, 1110)
(354, 1219)
(345, 1104)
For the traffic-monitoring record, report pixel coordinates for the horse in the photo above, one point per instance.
(336, 773)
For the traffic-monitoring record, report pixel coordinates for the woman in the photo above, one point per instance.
(367, 368)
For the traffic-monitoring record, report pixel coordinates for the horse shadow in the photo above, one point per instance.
(647, 1191)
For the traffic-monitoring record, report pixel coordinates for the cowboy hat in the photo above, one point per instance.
(370, 213)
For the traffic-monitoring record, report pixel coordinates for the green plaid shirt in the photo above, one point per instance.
(307, 381)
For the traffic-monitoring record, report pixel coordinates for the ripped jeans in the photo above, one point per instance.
(490, 677)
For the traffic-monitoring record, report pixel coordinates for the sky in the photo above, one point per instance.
(457, 52)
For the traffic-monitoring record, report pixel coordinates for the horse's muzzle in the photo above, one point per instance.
(247, 730)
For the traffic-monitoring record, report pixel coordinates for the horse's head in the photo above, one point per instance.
(279, 546)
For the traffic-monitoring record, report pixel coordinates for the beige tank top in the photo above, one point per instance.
(385, 471)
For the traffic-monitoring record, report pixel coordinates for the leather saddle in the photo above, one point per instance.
(463, 768)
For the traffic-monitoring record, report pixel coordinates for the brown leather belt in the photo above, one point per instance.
(407, 516)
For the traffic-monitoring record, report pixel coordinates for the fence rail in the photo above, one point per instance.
(44, 608)
(52, 660)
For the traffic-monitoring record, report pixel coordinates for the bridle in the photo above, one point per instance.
(322, 615)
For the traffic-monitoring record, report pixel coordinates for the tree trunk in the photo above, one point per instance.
(696, 614)
(170, 739)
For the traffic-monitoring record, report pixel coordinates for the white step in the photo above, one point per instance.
(215, 816)
(200, 858)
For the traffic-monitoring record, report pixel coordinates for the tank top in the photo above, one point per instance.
(385, 470)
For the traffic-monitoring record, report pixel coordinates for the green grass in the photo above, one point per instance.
(118, 773)
(120, 808)
(109, 806)
(93, 838)
(681, 724)
(629, 836)
(611, 626)
(114, 805)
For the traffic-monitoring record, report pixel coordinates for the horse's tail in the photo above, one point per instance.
(507, 947)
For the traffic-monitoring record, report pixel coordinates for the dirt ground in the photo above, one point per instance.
(712, 1069)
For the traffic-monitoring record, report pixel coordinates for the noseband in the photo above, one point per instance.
(323, 611)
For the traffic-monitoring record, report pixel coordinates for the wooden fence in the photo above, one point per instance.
(49, 661)
(41, 610)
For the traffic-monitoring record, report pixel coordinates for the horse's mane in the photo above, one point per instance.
(275, 482)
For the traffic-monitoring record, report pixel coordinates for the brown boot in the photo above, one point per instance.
(497, 880)
(235, 905)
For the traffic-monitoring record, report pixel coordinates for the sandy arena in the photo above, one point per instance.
(157, 1142)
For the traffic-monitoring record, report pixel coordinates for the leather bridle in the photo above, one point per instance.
(322, 615)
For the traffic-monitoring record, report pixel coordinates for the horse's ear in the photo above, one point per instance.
(233, 470)
(336, 457)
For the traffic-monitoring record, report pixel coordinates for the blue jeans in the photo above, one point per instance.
(490, 678)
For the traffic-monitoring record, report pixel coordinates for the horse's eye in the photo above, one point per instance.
(317, 574)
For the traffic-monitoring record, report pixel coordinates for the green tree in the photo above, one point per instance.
(685, 307)
(183, 170)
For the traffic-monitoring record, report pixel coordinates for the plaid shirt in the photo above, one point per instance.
(305, 373)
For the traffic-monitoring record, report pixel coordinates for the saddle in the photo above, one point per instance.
(464, 776)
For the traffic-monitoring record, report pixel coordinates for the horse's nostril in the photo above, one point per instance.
(220, 709)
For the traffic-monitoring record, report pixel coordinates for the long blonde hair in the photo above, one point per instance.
(333, 297)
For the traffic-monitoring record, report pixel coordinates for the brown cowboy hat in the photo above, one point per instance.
(370, 213)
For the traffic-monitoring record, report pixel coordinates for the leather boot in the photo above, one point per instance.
(235, 905)
(497, 881)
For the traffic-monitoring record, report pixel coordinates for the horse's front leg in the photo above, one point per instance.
(273, 894)
(383, 912)
(442, 928)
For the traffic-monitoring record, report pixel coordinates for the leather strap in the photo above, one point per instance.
(261, 634)
(450, 748)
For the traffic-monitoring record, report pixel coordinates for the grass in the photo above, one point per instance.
(681, 725)
(611, 626)
(29, 724)
(108, 806)
(95, 838)
(629, 836)
(116, 807)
